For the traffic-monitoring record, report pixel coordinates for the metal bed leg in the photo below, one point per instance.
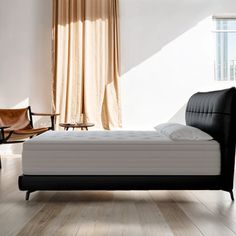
(27, 195)
(231, 195)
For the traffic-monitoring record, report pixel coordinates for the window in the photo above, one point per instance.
(225, 59)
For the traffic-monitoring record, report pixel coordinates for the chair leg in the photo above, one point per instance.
(232, 195)
(0, 162)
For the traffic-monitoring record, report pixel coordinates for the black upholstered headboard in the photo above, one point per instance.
(214, 112)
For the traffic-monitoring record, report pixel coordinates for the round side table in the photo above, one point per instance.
(81, 126)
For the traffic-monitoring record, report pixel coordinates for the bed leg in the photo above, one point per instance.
(231, 195)
(27, 195)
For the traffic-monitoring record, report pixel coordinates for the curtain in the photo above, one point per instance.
(86, 61)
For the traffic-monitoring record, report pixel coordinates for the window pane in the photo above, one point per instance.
(225, 24)
(225, 63)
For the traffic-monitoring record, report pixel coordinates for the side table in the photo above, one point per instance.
(81, 126)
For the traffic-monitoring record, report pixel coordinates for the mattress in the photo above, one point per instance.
(118, 153)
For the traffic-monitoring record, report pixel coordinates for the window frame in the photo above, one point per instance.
(225, 71)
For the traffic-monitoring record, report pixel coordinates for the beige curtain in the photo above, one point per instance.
(86, 61)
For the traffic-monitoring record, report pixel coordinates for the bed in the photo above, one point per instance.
(138, 160)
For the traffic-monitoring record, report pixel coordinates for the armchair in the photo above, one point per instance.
(16, 125)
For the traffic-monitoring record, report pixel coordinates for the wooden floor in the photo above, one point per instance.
(186, 213)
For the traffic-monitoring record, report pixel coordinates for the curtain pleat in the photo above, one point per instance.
(86, 61)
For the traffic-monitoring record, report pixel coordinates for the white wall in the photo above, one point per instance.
(25, 57)
(25, 53)
(167, 55)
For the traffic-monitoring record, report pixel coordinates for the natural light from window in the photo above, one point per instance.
(225, 58)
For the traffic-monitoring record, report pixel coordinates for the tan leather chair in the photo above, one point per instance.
(16, 125)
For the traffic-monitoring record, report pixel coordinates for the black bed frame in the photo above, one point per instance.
(212, 112)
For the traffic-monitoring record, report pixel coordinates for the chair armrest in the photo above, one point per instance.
(52, 116)
(44, 114)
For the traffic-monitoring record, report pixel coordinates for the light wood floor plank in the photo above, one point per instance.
(222, 206)
(71, 217)
(125, 216)
(40, 221)
(152, 219)
(120, 212)
(178, 221)
(208, 223)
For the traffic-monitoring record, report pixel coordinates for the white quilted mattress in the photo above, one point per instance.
(118, 153)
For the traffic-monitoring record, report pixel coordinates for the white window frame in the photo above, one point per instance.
(226, 72)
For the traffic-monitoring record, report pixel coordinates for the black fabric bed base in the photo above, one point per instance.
(118, 182)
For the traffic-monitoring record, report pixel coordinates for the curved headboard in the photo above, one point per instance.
(214, 113)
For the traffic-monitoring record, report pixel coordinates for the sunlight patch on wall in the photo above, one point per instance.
(155, 90)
